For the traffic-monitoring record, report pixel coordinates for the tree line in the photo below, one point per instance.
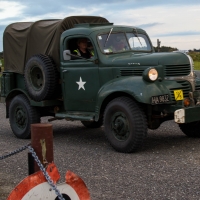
(195, 53)
(194, 50)
(165, 49)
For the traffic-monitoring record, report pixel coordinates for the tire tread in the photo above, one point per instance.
(139, 120)
(33, 116)
(51, 78)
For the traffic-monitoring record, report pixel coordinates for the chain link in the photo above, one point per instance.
(48, 178)
(14, 152)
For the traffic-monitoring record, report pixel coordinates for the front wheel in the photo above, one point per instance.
(21, 116)
(191, 129)
(125, 125)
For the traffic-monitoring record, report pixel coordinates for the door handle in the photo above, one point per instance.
(65, 71)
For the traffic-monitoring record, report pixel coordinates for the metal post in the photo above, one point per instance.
(42, 143)
(158, 44)
(30, 164)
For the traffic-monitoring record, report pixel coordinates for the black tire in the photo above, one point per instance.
(93, 124)
(21, 116)
(41, 77)
(125, 125)
(191, 129)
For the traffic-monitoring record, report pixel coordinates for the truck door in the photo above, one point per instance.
(80, 84)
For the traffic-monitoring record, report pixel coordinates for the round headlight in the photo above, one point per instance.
(150, 74)
(153, 74)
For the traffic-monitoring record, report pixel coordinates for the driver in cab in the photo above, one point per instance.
(82, 49)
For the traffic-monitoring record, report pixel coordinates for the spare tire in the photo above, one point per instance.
(41, 77)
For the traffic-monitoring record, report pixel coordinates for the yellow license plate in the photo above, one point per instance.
(178, 94)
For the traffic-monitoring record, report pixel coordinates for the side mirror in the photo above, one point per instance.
(66, 55)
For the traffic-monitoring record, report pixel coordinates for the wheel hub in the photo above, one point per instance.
(20, 117)
(37, 78)
(120, 126)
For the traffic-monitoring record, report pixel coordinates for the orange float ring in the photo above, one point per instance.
(36, 186)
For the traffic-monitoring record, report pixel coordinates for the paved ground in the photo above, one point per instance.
(166, 167)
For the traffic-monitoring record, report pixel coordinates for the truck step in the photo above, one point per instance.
(82, 116)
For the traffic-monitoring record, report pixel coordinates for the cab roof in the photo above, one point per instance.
(88, 28)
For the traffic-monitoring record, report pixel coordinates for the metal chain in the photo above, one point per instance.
(14, 152)
(48, 178)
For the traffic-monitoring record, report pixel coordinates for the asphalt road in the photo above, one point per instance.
(166, 167)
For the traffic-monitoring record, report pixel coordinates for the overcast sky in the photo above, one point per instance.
(175, 23)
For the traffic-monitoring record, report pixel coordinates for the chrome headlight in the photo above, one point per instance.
(150, 74)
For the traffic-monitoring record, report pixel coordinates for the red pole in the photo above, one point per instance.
(42, 143)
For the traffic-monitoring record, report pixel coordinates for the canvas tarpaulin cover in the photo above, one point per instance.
(22, 40)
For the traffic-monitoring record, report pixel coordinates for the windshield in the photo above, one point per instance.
(120, 42)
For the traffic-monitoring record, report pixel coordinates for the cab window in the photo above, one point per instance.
(80, 48)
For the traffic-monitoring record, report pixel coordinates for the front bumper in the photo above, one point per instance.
(187, 115)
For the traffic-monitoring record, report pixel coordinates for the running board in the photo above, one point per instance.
(82, 116)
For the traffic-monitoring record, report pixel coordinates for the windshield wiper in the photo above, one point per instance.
(108, 37)
(136, 34)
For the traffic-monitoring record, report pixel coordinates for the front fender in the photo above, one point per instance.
(135, 86)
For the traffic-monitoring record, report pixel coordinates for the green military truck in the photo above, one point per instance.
(125, 86)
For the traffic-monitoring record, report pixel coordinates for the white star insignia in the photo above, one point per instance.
(81, 84)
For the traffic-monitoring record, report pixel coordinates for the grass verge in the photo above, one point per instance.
(197, 65)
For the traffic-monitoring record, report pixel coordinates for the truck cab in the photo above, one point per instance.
(106, 65)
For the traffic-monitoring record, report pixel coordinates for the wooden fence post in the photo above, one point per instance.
(42, 143)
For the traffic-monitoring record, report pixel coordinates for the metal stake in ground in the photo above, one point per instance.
(42, 143)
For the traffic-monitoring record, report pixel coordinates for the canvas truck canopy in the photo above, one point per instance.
(22, 40)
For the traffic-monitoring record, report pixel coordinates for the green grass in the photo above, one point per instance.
(197, 65)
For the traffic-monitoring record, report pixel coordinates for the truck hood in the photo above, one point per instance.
(150, 59)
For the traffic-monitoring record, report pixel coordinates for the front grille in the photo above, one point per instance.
(197, 87)
(185, 88)
(177, 70)
(131, 72)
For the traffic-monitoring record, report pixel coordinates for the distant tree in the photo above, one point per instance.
(165, 49)
(194, 50)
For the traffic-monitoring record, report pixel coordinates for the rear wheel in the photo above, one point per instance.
(191, 129)
(41, 77)
(21, 116)
(125, 125)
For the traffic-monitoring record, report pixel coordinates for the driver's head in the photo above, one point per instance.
(82, 43)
